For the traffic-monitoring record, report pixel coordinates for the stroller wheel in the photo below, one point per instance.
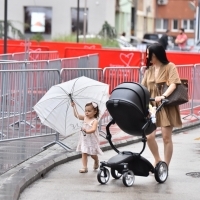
(128, 178)
(161, 172)
(103, 175)
(115, 174)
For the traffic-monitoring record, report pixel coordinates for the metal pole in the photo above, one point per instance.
(197, 22)
(85, 21)
(5, 26)
(135, 17)
(77, 25)
(198, 26)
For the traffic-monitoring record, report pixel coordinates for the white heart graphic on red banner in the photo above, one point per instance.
(126, 58)
(89, 47)
(36, 56)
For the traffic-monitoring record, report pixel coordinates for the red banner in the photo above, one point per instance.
(52, 46)
(108, 57)
(18, 48)
(183, 58)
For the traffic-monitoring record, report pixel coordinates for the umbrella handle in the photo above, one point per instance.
(70, 96)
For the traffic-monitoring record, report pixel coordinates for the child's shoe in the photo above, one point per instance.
(83, 170)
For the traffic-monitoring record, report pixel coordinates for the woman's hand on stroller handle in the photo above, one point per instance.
(163, 101)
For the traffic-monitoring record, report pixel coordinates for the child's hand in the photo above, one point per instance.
(72, 104)
(83, 129)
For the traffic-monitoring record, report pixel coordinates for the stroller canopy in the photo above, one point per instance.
(128, 105)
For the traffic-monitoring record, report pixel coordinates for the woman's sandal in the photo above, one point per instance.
(83, 170)
(96, 164)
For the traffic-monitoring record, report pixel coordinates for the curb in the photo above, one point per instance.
(18, 178)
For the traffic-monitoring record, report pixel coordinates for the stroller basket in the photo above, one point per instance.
(128, 105)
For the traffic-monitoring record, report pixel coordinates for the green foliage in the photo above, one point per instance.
(105, 42)
(65, 38)
(16, 33)
(38, 37)
(108, 31)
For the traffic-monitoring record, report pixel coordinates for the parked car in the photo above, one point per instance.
(150, 38)
(125, 45)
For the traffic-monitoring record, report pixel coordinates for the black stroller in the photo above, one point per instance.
(128, 105)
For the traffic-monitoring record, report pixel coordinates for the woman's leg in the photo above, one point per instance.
(168, 145)
(151, 141)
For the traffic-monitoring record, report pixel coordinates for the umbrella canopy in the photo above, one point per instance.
(54, 108)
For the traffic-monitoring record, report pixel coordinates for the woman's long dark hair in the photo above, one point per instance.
(158, 50)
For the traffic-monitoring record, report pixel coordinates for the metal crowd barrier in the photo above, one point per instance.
(54, 64)
(33, 55)
(42, 64)
(83, 62)
(71, 73)
(93, 61)
(52, 60)
(116, 75)
(187, 72)
(88, 61)
(20, 56)
(43, 55)
(195, 92)
(70, 62)
(5, 56)
(20, 91)
(16, 101)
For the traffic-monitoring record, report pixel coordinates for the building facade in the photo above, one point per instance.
(172, 15)
(58, 17)
(123, 16)
(145, 17)
(135, 17)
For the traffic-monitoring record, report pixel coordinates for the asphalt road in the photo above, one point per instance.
(66, 183)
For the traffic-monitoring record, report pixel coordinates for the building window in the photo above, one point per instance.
(82, 14)
(161, 24)
(37, 19)
(174, 25)
(188, 25)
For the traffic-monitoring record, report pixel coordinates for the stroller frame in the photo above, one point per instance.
(127, 164)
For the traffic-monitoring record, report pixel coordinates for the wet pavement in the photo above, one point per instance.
(64, 182)
(13, 153)
(17, 175)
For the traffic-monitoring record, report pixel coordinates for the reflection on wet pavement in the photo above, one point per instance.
(14, 152)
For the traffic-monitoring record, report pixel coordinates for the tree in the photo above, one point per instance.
(108, 31)
(14, 32)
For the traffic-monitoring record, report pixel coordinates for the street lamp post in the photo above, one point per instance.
(5, 26)
(85, 21)
(77, 22)
(198, 22)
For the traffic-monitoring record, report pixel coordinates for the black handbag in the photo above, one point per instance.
(178, 96)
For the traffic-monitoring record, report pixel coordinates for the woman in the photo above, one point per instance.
(159, 69)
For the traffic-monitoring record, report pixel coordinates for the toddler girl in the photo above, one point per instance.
(89, 138)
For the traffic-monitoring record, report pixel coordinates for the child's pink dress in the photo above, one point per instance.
(90, 143)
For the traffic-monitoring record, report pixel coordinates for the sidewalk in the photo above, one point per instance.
(17, 179)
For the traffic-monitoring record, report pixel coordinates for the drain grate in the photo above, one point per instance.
(194, 174)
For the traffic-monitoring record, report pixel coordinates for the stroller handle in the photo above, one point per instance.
(163, 102)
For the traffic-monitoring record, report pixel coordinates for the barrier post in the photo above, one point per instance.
(194, 89)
